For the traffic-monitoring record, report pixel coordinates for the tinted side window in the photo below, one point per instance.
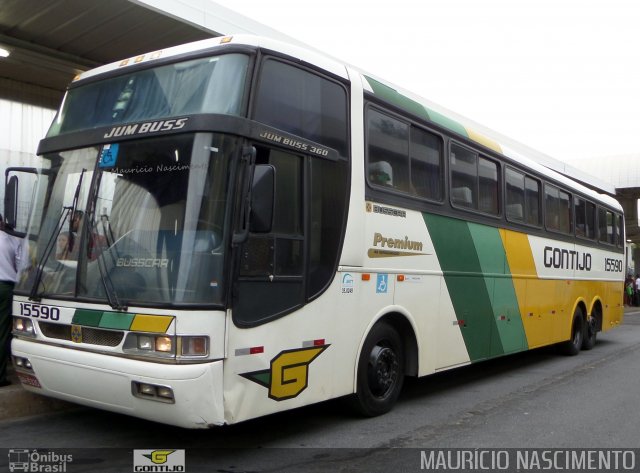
(426, 164)
(557, 209)
(388, 147)
(474, 181)
(532, 198)
(585, 218)
(515, 207)
(464, 177)
(302, 103)
(620, 231)
(329, 182)
(606, 222)
(488, 186)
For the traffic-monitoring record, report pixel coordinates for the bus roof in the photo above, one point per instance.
(402, 99)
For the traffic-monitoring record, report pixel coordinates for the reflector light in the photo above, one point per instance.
(319, 342)
(366, 277)
(194, 346)
(256, 350)
(400, 277)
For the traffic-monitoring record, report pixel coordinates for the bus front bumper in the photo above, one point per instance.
(124, 385)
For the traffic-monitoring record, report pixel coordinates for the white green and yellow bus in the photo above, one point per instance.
(236, 227)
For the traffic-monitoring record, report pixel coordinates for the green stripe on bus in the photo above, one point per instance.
(88, 318)
(116, 320)
(497, 277)
(393, 96)
(448, 123)
(456, 251)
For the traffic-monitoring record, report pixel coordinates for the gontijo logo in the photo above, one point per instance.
(166, 461)
(289, 372)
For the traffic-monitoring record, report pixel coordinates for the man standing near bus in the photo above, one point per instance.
(10, 255)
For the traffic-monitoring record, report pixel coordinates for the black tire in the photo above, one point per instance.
(572, 346)
(380, 371)
(590, 333)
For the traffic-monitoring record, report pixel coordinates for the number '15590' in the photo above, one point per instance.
(37, 311)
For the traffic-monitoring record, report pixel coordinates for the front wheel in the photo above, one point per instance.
(380, 371)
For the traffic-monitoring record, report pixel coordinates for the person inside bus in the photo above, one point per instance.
(65, 246)
(381, 173)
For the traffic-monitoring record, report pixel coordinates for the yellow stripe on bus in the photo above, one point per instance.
(151, 323)
(483, 140)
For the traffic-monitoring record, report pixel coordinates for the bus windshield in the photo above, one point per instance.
(208, 85)
(138, 221)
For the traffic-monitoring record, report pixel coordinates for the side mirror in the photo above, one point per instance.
(20, 183)
(11, 202)
(262, 198)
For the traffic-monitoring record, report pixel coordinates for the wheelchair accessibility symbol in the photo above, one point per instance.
(382, 283)
(109, 155)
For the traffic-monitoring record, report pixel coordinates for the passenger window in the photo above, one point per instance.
(464, 177)
(388, 147)
(426, 164)
(532, 197)
(488, 186)
(606, 224)
(557, 209)
(474, 181)
(620, 231)
(515, 206)
(585, 218)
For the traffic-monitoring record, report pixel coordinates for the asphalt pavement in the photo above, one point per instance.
(16, 402)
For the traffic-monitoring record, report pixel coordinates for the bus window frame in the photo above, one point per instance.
(399, 197)
(500, 165)
(571, 233)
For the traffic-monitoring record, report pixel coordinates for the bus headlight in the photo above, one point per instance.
(23, 327)
(164, 344)
(151, 345)
(145, 342)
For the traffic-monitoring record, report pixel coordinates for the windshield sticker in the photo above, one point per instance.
(109, 155)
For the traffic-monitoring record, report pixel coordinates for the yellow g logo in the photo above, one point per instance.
(159, 456)
(289, 373)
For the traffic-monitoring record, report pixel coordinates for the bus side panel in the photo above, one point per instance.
(476, 275)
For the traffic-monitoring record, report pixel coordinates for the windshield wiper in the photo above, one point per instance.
(105, 277)
(107, 283)
(51, 243)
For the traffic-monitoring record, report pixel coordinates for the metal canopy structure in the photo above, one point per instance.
(51, 41)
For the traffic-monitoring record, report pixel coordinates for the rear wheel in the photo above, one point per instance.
(590, 333)
(572, 346)
(380, 371)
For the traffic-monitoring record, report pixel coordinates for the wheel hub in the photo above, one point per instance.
(383, 370)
